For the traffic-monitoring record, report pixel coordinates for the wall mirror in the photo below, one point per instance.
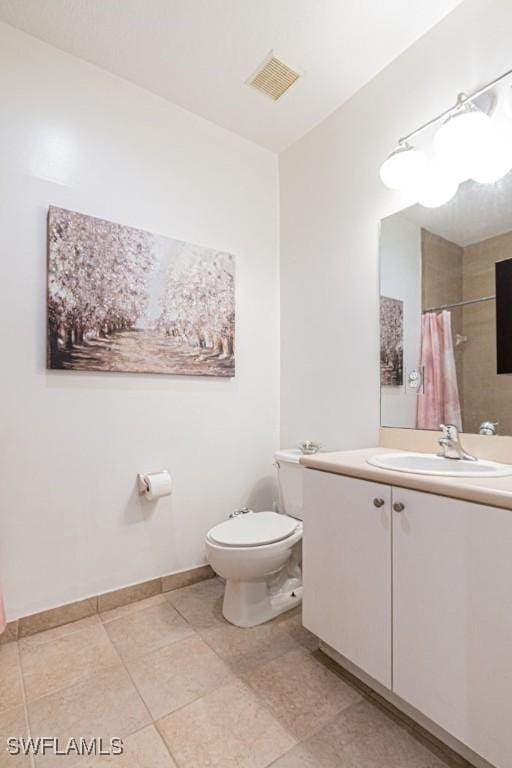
(446, 312)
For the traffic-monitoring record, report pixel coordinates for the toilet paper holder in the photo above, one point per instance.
(142, 483)
(154, 485)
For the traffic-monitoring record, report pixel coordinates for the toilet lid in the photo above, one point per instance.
(253, 529)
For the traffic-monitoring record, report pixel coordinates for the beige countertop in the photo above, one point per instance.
(493, 491)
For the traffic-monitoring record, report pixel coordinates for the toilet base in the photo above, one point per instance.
(249, 603)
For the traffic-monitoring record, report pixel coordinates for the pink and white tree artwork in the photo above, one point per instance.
(122, 299)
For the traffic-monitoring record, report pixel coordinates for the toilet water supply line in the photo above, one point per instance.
(280, 505)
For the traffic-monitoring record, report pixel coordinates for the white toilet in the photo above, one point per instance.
(259, 553)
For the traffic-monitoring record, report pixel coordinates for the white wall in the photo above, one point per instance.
(71, 523)
(331, 202)
(400, 278)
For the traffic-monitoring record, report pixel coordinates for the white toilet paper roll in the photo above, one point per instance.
(156, 484)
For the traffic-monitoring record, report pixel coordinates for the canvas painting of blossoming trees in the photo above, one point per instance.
(391, 342)
(122, 299)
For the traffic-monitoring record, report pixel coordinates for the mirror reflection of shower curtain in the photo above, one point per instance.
(438, 403)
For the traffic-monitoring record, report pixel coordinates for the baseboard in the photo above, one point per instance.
(81, 609)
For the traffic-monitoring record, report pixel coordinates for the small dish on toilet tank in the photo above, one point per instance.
(309, 447)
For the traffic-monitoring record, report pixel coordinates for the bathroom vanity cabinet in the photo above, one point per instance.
(415, 589)
(347, 568)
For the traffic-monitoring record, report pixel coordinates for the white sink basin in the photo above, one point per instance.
(430, 464)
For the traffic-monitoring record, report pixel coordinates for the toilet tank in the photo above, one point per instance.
(289, 479)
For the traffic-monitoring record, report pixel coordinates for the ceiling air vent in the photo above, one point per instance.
(273, 78)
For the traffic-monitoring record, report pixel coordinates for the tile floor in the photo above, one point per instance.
(185, 689)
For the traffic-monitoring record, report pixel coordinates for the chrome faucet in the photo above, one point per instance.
(450, 444)
(488, 427)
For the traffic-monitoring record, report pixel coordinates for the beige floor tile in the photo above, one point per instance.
(60, 663)
(105, 705)
(298, 631)
(144, 749)
(11, 692)
(392, 746)
(178, 674)
(362, 736)
(200, 604)
(226, 729)
(57, 633)
(322, 750)
(359, 721)
(147, 630)
(303, 694)
(125, 610)
(246, 649)
(12, 725)
(308, 755)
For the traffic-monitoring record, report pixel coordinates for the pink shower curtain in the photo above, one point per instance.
(439, 401)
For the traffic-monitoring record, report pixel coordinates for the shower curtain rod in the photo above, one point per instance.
(459, 304)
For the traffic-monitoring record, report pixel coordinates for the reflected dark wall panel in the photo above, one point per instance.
(504, 316)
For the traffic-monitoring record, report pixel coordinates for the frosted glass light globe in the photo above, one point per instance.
(437, 187)
(403, 169)
(506, 101)
(462, 140)
(495, 163)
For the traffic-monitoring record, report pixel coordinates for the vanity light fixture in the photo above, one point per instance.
(496, 163)
(463, 139)
(403, 167)
(437, 186)
(466, 146)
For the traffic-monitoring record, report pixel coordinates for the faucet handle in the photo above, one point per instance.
(449, 431)
(488, 427)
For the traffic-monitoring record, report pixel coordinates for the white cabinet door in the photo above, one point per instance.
(347, 568)
(452, 606)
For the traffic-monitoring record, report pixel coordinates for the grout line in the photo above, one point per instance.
(82, 676)
(238, 679)
(139, 694)
(79, 680)
(189, 703)
(25, 704)
(264, 705)
(316, 731)
(123, 664)
(169, 750)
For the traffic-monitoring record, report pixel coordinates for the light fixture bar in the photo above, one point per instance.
(462, 98)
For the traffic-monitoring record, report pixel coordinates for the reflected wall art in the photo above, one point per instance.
(391, 342)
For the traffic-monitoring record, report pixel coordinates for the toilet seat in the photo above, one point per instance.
(253, 529)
